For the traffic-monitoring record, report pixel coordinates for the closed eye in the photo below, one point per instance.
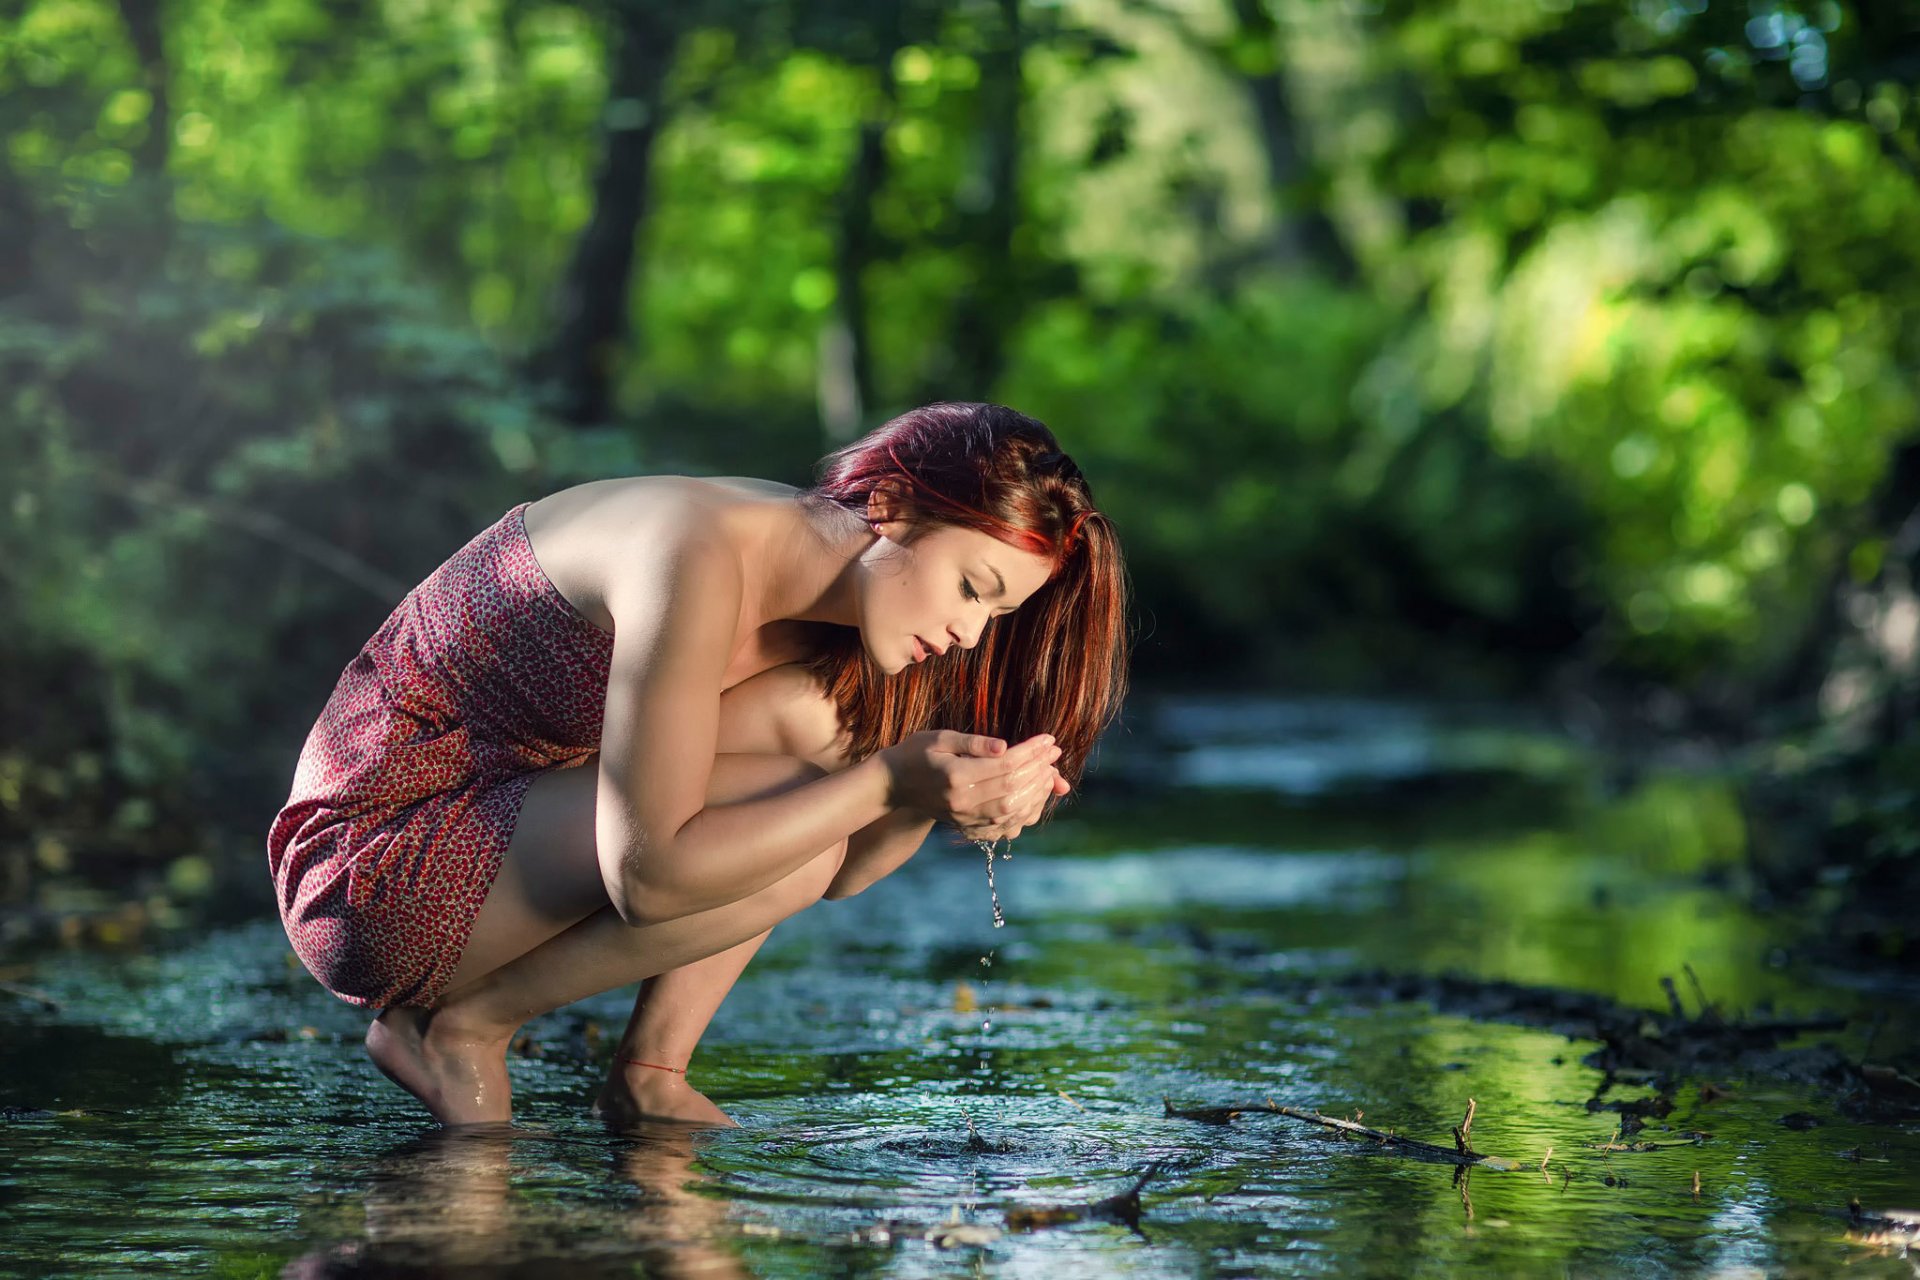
(966, 589)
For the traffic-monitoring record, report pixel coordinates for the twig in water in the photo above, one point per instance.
(1206, 1115)
(1615, 1145)
(46, 1002)
(1464, 1129)
(1070, 1102)
(1873, 1033)
(1386, 1138)
(1123, 1208)
(1673, 998)
(1699, 992)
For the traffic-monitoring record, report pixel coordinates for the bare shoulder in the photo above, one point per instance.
(612, 547)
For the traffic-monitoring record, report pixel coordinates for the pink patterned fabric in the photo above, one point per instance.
(410, 783)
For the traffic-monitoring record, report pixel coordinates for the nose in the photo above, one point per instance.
(966, 633)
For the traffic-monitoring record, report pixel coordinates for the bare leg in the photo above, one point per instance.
(452, 1057)
(669, 1018)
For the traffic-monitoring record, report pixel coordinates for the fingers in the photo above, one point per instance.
(989, 777)
(969, 744)
(1016, 762)
(1022, 809)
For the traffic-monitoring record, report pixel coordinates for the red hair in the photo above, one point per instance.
(1056, 665)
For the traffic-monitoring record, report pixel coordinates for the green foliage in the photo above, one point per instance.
(1667, 251)
(1620, 368)
(1269, 473)
(228, 450)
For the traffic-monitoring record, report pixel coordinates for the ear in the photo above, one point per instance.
(883, 509)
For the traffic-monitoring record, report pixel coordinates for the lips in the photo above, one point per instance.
(919, 650)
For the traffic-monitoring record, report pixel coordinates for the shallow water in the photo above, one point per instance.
(208, 1109)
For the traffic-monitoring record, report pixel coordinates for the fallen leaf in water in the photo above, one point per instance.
(960, 1235)
(964, 1000)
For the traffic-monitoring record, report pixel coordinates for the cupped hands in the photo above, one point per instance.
(983, 786)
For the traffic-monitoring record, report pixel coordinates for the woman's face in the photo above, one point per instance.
(942, 589)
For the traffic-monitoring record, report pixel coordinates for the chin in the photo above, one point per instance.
(888, 665)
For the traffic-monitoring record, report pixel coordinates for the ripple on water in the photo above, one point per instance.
(231, 1122)
(874, 1163)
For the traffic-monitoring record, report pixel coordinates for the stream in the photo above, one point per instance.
(910, 1080)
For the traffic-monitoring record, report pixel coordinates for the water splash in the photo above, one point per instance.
(987, 847)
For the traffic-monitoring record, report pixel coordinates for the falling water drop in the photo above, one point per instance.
(999, 917)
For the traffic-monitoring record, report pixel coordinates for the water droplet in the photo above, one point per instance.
(999, 916)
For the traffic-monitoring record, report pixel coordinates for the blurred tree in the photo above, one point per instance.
(1250, 49)
(146, 27)
(990, 298)
(1665, 248)
(1633, 319)
(591, 325)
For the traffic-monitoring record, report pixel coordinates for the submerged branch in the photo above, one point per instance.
(1461, 1154)
(1123, 1208)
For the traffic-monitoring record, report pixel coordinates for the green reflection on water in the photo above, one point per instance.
(1136, 966)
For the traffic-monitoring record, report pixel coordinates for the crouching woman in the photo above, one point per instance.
(630, 727)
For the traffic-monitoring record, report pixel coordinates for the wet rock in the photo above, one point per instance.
(955, 1234)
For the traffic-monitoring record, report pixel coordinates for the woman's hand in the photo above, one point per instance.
(990, 791)
(1035, 784)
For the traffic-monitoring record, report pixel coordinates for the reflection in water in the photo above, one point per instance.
(679, 1225)
(447, 1202)
(1163, 943)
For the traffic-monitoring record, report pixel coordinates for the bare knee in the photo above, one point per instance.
(812, 881)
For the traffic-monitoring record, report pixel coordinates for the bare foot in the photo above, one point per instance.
(461, 1077)
(633, 1095)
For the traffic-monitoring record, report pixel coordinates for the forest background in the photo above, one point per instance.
(1549, 350)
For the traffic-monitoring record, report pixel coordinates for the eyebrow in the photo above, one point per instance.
(1000, 581)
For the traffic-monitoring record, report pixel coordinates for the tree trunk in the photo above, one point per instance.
(1303, 234)
(846, 383)
(19, 219)
(145, 21)
(989, 306)
(1839, 635)
(592, 315)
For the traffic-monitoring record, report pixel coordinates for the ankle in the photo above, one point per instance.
(652, 1072)
(667, 1064)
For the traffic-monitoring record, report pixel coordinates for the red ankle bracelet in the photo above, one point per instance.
(679, 1071)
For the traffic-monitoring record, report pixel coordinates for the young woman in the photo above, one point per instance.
(774, 694)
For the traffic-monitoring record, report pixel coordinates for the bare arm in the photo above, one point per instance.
(663, 853)
(785, 711)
